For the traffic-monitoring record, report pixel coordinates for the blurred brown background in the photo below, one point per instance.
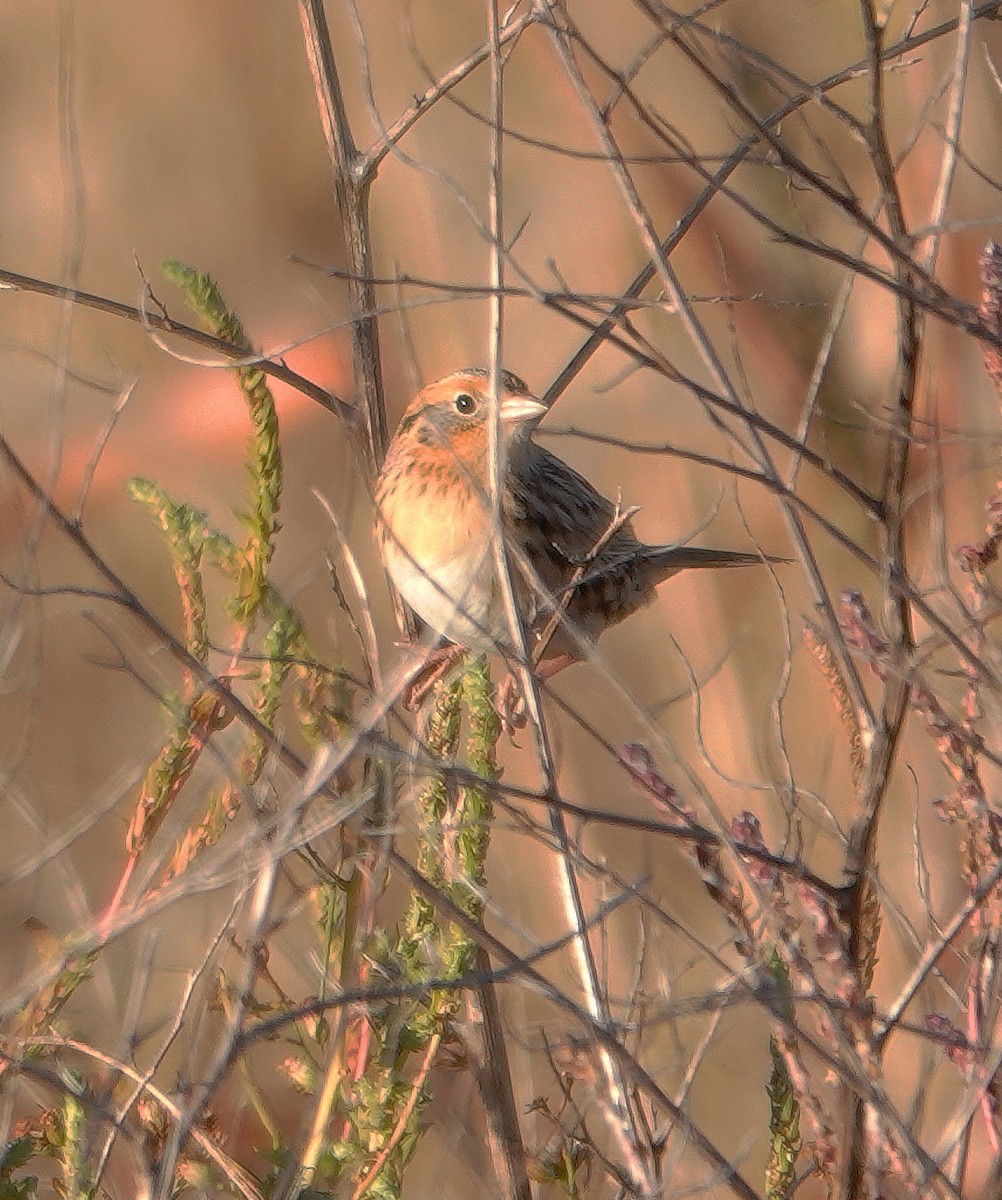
(135, 133)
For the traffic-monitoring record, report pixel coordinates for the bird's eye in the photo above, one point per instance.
(465, 404)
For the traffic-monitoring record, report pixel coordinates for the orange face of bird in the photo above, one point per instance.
(448, 423)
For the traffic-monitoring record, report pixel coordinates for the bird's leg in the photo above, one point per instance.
(439, 663)
(510, 702)
(550, 666)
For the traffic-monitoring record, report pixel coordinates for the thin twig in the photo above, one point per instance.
(164, 323)
(232, 1171)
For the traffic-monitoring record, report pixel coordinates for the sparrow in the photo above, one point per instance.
(574, 557)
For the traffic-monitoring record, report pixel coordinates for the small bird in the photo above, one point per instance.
(571, 551)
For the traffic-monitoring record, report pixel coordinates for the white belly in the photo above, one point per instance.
(457, 596)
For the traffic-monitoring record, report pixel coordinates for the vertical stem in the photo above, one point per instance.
(352, 178)
(860, 1175)
(616, 1108)
(494, 1072)
(486, 1034)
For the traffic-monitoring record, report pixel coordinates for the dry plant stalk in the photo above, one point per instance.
(797, 234)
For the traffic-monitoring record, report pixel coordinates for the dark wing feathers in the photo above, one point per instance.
(550, 502)
(559, 518)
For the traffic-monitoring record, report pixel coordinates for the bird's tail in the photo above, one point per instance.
(650, 565)
(669, 560)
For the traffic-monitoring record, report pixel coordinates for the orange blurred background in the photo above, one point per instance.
(133, 134)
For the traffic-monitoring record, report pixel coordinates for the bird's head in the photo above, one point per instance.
(454, 413)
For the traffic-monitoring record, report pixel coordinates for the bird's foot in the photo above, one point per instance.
(440, 663)
(509, 704)
(510, 701)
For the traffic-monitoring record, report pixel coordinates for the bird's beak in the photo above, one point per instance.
(516, 410)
